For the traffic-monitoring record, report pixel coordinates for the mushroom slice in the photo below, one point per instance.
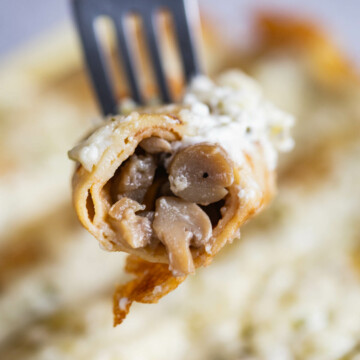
(179, 224)
(134, 177)
(132, 229)
(200, 173)
(155, 145)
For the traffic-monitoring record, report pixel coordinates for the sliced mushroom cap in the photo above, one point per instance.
(200, 173)
(131, 229)
(155, 145)
(179, 224)
(134, 177)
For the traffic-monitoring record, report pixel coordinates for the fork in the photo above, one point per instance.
(86, 12)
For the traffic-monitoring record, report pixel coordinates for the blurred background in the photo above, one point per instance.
(338, 17)
(290, 289)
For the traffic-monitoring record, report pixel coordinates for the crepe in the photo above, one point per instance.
(171, 185)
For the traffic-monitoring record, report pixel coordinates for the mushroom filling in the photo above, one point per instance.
(175, 202)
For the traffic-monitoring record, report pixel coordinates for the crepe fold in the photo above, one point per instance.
(252, 187)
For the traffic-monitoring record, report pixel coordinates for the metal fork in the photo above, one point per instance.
(87, 11)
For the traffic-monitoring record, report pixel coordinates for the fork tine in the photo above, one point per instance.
(87, 11)
(153, 45)
(95, 60)
(184, 35)
(124, 53)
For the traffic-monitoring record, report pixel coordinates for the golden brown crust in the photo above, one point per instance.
(152, 282)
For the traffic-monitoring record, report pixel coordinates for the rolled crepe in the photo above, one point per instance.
(172, 185)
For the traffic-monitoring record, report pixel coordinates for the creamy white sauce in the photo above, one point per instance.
(89, 151)
(231, 112)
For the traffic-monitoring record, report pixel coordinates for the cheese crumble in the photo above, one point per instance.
(230, 111)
